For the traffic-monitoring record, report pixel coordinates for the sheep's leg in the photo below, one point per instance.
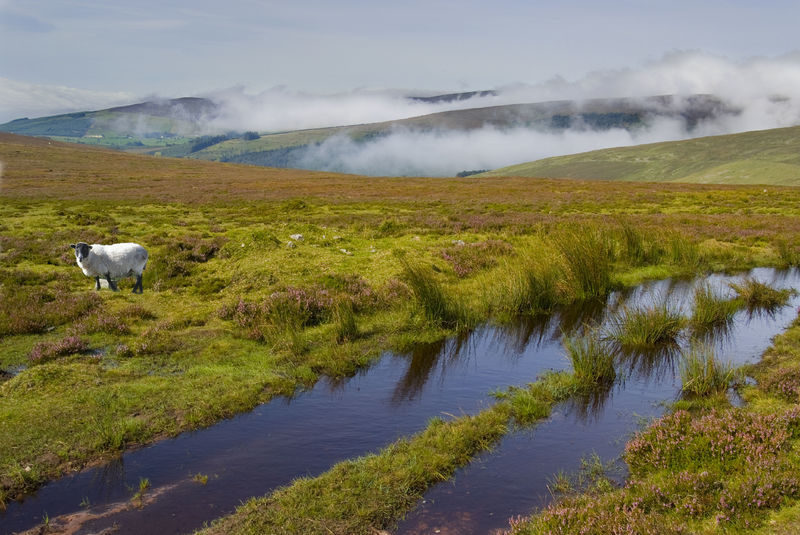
(138, 284)
(97, 282)
(111, 284)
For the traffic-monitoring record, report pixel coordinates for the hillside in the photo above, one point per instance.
(184, 128)
(758, 157)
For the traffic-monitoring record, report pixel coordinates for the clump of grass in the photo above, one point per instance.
(438, 307)
(588, 256)
(531, 286)
(710, 310)
(703, 374)
(45, 351)
(592, 361)
(759, 296)
(638, 248)
(647, 327)
(592, 477)
(344, 320)
(200, 478)
(683, 252)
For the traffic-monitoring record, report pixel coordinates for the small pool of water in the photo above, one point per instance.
(513, 479)
(253, 453)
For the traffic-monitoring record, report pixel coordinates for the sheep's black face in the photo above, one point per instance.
(81, 250)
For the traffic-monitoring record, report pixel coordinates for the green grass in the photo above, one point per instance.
(703, 374)
(646, 327)
(437, 305)
(761, 157)
(592, 361)
(759, 296)
(711, 310)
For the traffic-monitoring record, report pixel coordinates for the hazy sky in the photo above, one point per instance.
(61, 55)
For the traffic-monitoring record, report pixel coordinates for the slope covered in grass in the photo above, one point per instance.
(758, 157)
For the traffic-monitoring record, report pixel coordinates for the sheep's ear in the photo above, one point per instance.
(72, 245)
(89, 246)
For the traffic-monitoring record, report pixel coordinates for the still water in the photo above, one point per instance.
(253, 453)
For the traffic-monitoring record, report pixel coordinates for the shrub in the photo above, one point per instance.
(45, 351)
(31, 310)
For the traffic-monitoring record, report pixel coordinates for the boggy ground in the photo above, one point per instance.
(233, 315)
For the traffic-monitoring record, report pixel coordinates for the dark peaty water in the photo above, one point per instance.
(252, 454)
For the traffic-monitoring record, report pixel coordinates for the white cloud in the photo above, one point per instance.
(21, 99)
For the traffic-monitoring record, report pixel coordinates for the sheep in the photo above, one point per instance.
(111, 262)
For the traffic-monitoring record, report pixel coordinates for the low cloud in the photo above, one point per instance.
(21, 99)
(763, 92)
(446, 153)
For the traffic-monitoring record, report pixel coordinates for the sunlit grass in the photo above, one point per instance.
(646, 327)
(711, 310)
(704, 374)
(759, 296)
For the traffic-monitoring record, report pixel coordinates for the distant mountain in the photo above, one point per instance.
(758, 157)
(180, 127)
(455, 97)
(123, 127)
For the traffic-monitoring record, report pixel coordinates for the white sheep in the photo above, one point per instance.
(112, 262)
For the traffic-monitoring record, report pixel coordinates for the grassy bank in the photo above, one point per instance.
(237, 309)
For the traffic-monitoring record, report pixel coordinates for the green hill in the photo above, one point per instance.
(758, 157)
(179, 128)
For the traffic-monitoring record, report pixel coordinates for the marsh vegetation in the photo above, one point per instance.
(232, 316)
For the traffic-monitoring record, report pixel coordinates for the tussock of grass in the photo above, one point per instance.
(759, 296)
(588, 255)
(592, 361)
(532, 285)
(711, 310)
(437, 306)
(648, 327)
(703, 374)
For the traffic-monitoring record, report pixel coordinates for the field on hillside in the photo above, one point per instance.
(759, 157)
(237, 308)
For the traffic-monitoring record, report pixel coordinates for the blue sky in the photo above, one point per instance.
(57, 55)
